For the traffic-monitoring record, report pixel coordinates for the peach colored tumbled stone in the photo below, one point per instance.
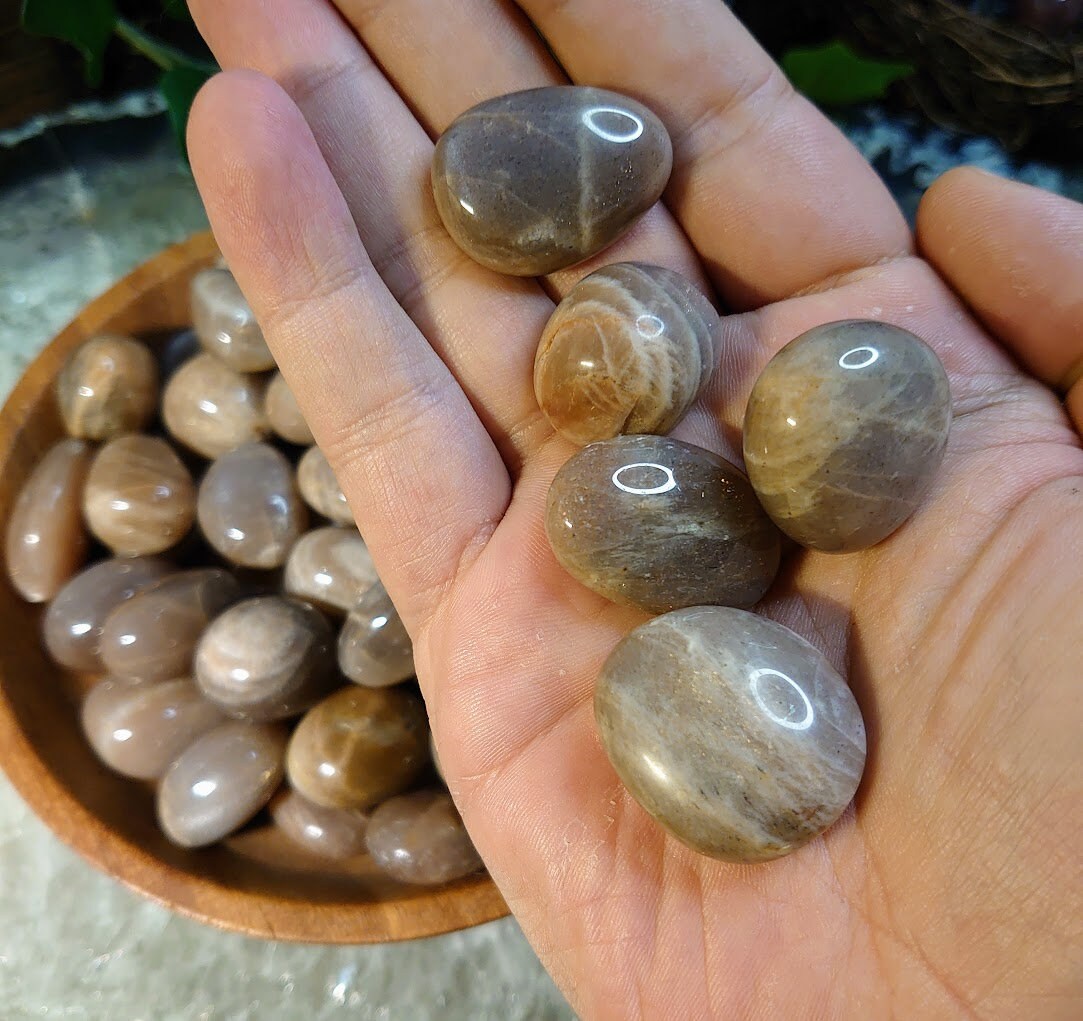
(284, 414)
(333, 833)
(330, 567)
(321, 489)
(225, 324)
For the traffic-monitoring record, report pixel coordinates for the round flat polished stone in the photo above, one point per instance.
(655, 523)
(220, 781)
(138, 729)
(211, 409)
(535, 181)
(46, 542)
(224, 322)
(733, 732)
(284, 415)
(139, 497)
(153, 636)
(628, 350)
(333, 833)
(844, 431)
(330, 567)
(420, 838)
(358, 747)
(374, 649)
(75, 620)
(248, 507)
(108, 386)
(266, 658)
(318, 485)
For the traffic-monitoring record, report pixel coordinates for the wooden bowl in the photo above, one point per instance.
(255, 882)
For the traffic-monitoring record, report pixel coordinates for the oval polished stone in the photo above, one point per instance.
(139, 497)
(224, 322)
(220, 781)
(321, 490)
(844, 431)
(266, 659)
(74, 621)
(358, 747)
(374, 649)
(46, 542)
(283, 413)
(733, 732)
(153, 636)
(108, 386)
(628, 350)
(652, 522)
(212, 409)
(138, 729)
(330, 567)
(535, 181)
(333, 833)
(249, 508)
(420, 838)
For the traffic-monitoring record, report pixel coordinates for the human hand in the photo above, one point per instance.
(953, 886)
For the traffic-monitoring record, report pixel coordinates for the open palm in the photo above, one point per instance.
(953, 886)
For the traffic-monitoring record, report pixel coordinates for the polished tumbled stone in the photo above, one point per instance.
(153, 636)
(224, 322)
(266, 658)
(652, 522)
(333, 833)
(331, 568)
(733, 732)
(220, 781)
(420, 838)
(283, 413)
(139, 497)
(46, 542)
(374, 649)
(844, 432)
(627, 351)
(139, 729)
(320, 488)
(535, 181)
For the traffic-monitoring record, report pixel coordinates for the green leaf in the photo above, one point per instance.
(834, 75)
(179, 86)
(86, 24)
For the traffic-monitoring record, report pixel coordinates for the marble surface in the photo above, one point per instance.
(79, 207)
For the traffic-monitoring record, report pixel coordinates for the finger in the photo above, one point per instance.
(484, 327)
(771, 194)
(379, 400)
(1015, 254)
(444, 56)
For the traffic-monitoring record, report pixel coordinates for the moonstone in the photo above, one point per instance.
(420, 838)
(266, 658)
(535, 181)
(153, 636)
(844, 432)
(321, 490)
(224, 322)
(212, 409)
(138, 729)
(283, 413)
(652, 522)
(627, 351)
(331, 568)
(139, 497)
(220, 781)
(108, 386)
(249, 508)
(332, 833)
(358, 747)
(46, 542)
(733, 732)
(75, 620)
(374, 649)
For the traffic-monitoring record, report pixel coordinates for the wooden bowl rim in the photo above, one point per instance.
(429, 913)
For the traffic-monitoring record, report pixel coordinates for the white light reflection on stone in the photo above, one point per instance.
(859, 358)
(786, 721)
(591, 119)
(662, 487)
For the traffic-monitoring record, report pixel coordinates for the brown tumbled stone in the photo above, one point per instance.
(224, 322)
(374, 649)
(153, 636)
(628, 350)
(535, 181)
(283, 413)
(333, 833)
(732, 731)
(46, 542)
(321, 490)
(108, 386)
(358, 747)
(655, 523)
(331, 568)
(420, 838)
(844, 432)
